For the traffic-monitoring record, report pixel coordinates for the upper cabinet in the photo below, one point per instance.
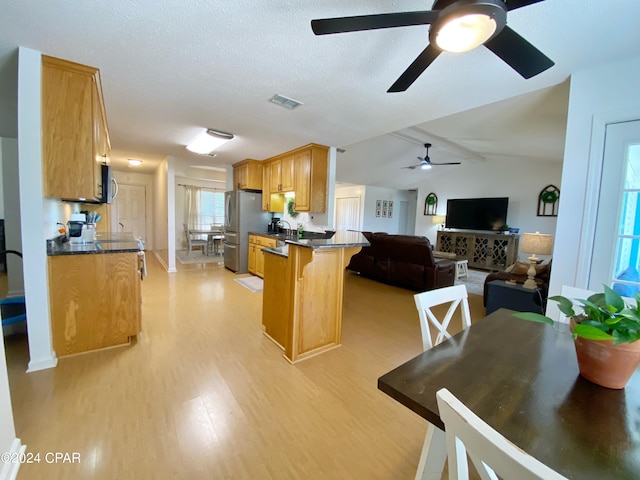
(247, 175)
(282, 176)
(304, 172)
(75, 137)
(310, 165)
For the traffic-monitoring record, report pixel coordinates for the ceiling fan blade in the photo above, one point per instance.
(414, 70)
(411, 167)
(518, 53)
(372, 22)
(446, 163)
(513, 4)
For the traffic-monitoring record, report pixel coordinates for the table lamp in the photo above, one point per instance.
(535, 243)
(439, 219)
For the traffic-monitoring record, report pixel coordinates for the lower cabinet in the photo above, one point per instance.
(256, 255)
(95, 301)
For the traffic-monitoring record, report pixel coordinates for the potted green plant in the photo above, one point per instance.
(605, 333)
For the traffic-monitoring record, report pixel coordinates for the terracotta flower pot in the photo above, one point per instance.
(606, 364)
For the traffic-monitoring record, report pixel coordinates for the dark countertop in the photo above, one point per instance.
(105, 243)
(341, 239)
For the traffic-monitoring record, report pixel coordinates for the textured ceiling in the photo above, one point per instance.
(170, 68)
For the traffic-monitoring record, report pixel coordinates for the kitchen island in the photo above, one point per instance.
(94, 293)
(303, 292)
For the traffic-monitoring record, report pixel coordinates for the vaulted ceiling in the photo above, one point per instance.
(170, 69)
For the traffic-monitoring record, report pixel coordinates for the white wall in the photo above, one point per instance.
(160, 207)
(518, 180)
(372, 223)
(146, 180)
(34, 259)
(600, 95)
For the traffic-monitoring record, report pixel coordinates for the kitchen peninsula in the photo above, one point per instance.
(95, 293)
(303, 292)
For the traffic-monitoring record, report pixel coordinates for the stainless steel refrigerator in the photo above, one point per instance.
(242, 214)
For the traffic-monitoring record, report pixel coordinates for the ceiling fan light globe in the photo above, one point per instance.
(465, 33)
(426, 166)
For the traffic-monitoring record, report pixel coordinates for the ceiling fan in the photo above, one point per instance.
(456, 26)
(426, 163)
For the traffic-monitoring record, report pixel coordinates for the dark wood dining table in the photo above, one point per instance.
(522, 379)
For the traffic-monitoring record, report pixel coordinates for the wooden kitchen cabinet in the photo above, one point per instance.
(311, 179)
(247, 175)
(256, 255)
(306, 170)
(252, 254)
(281, 174)
(95, 301)
(75, 137)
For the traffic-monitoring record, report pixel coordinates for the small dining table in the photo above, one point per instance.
(522, 379)
(213, 234)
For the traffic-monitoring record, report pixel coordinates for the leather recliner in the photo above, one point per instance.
(403, 260)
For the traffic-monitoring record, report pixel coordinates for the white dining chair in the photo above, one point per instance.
(194, 240)
(434, 452)
(573, 293)
(492, 455)
(457, 296)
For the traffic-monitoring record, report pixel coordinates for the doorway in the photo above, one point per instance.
(129, 211)
(348, 213)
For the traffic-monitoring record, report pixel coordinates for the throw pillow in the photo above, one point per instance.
(521, 268)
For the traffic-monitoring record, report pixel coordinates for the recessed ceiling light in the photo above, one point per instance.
(208, 141)
(285, 102)
(134, 163)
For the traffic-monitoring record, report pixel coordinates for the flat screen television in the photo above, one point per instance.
(477, 213)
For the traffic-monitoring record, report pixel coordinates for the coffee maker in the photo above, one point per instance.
(272, 226)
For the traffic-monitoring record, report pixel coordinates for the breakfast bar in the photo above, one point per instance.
(303, 292)
(95, 292)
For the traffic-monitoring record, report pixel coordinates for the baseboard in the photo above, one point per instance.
(42, 364)
(162, 262)
(10, 470)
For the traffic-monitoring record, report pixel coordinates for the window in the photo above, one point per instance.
(211, 207)
(627, 259)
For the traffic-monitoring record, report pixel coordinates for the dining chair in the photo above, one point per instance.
(492, 455)
(434, 453)
(194, 240)
(573, 293)
(215, 239)
(456, 296)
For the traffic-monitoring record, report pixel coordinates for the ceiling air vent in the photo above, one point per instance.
(285, 102)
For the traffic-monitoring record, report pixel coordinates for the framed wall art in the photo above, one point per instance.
(378, 207)
(390, 211)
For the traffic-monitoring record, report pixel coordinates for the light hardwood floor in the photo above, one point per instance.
(203, 394)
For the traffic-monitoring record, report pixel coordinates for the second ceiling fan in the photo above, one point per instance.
(426, 163)
(456, 26)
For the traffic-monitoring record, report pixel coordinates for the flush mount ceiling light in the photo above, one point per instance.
(464, 26)
(208, 141)
(134, 163)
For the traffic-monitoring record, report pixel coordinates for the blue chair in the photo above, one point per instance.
(13, 309)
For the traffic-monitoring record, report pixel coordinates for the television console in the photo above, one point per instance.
(484, 250)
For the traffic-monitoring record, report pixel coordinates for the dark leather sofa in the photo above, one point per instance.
(403, 260)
